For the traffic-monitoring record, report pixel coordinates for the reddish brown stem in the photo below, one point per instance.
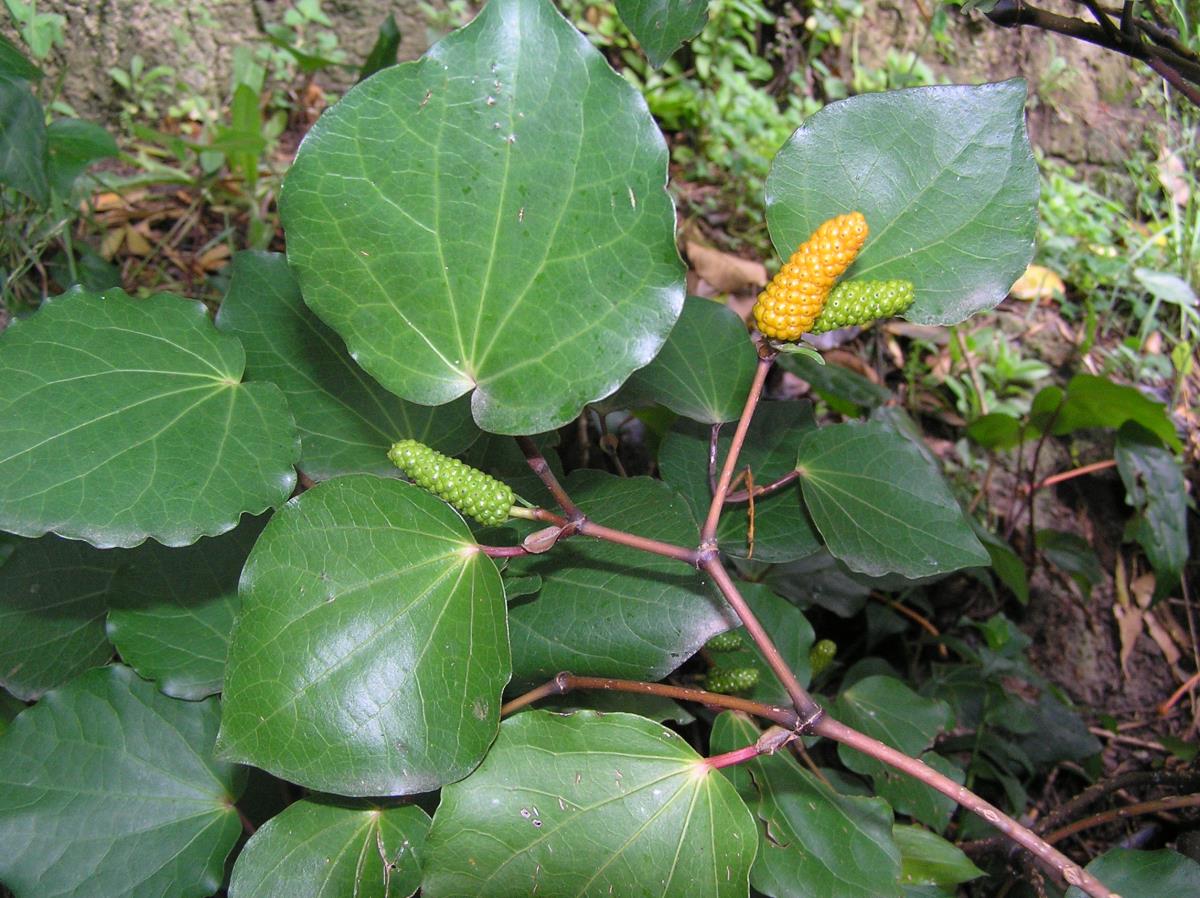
(566, 682)
(760, 491)
(808, 709)
(1164, 708)
(541, 467)
(503, 551)
(1154, 806)
(1073, 473)
(584, 526)
(708, 533)
(1067, 870)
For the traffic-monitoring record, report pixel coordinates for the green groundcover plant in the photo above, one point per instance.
(480, 245)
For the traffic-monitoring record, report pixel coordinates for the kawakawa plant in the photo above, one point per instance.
(480, 245)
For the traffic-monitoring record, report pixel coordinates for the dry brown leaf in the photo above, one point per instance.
(214, 258)
(726, 272)
(938, 336)
(1038, 283)
(1129, 627)
(135, 242)
(112, 242)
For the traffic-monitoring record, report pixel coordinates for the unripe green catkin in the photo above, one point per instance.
(732, 679)
(857, 302)
(468, 489)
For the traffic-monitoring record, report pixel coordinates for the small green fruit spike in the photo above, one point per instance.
(821, 655)
(857, 302)
(732, 679)
(468, 489)
(729, 641)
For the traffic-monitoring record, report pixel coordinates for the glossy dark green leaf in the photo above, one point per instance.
(608, 610)
(834, 381)
(347, 421)
(1092, 401)
(995, 431)
(879, 505)
(72, 145)
(172, 610)
(820, 580)
(928, 859)
(887, 710)
(14, 64)
(123, 419)
(1155, 486)
(318, 849)
(53, 596)
(662, 26)
(1144, 874)
(1074, 555)
(814, 843)
(589, 805)
(10, 707)
(383, 51)
(945, 177)
(782, 530)
(22, 141)
(491, 219)
(1006, 563)
(371, 649)
(108, 789)
(705, 368)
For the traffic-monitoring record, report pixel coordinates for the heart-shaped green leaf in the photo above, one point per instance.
(928, 859)
(123, 419)
(108, 789)
(814, 842)
(782, 530)
(1144, 874)
(491, 218)
(705, 368)
(316, 849)
(608, 610)
(886, 709)
(71, 146)
(662, 26)
(1155, 486)
(589, 804)
(880, 506)
(945, 177)
(172, 610)
(371, 650)
(23, 141)
(53, 596)
(347, 421)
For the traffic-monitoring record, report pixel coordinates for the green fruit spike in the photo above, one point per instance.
(729, 641)
(857, 302)
(821, 655)
(468, 489)
(732, 679)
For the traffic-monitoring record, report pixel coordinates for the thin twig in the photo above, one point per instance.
(1070, 475)
(708, 533)
(541, 467)
(1068, 871)
(760, 491)
(808, 709)
(566, 682)
(1170, 803)
(584, 526)
(1164, 708)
